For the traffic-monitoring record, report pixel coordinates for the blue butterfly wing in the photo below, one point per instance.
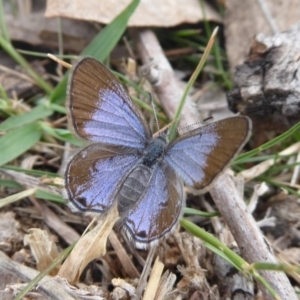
(100, 109)
(202, 154)
(157, 212)
(95, 174)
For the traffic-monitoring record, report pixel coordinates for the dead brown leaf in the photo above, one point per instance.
(35, 29)
(149, 13)
(89, 247)
(43, 248)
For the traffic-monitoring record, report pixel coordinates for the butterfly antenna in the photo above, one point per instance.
(154, 111)
(197, 123)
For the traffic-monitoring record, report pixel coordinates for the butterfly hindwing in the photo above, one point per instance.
(95, 174)
(158, 210)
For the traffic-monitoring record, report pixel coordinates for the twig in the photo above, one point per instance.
(232, 207)
(267, 164)
(49, 287)
(154, 280)
(124, 258)
(144, 276)
(166, 85)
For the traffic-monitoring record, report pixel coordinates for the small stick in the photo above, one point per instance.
(230, 204)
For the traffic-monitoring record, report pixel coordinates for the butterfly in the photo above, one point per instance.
(125, 165)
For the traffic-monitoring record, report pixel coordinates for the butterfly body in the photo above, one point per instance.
(125, 165)
(133, 188)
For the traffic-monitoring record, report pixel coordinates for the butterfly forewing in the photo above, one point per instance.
(202, 154)
(158, 210)
(95, 174)
(101, 110)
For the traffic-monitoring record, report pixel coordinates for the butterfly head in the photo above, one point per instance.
(155, 150)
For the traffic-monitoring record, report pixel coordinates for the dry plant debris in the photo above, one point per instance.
(32, 27)
(103, 265)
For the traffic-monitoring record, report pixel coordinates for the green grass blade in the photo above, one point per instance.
(242, 157)
(196, 212)
(219, 248)
(41, 275)
(16, 197)
(8, 47)
(10, 184)
(216, 50)
(174, 125)
(58, 108)
(39, 112)
(287, 268)
(18, 141)
(41, 194)
(213, 242)
(37, 173)
(61, 134)
(6, 44)
(100, 47)
(3, 27)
